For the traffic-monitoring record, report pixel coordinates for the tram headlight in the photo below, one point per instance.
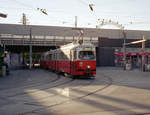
(88, 67)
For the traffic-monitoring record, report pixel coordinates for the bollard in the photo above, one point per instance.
(3, 70)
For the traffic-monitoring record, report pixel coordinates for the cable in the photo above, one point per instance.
(84, 2)
(29, 6)
(16, 8)
(23, 4)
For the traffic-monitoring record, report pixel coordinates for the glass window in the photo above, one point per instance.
(86, 55)
(50, 56)
(75, 54)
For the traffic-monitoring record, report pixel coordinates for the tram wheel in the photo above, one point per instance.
(74, 77)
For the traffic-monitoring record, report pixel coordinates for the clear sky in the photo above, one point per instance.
(132, 14)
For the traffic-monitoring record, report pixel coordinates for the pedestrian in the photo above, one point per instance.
(6, 61)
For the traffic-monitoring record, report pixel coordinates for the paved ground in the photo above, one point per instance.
(41, 92)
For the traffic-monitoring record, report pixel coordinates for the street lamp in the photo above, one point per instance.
(143, 56)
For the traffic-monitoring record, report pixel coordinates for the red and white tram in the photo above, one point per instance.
(77, 59)
(44, 61)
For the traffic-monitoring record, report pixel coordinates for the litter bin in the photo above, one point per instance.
(147, 67)
(128, 67)
(3, 70)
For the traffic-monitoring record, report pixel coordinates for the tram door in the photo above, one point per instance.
(72, 59)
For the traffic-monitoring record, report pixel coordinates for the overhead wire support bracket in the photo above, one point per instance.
(3, 15)
(43, 11)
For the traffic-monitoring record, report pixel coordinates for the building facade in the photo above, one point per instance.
(17, 38)
(111, 52)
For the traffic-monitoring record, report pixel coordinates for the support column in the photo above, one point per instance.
(124, 56)
(143, 56)
(124, 50)
(30, 48)
(76, 21)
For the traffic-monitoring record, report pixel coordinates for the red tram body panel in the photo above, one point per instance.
(74, 58)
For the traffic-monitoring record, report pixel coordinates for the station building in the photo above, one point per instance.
(111, 52)
(16, 39)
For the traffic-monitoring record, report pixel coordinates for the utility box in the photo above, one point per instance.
(147, 67)
(128, 67)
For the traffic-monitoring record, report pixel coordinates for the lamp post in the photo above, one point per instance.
(124, 50)
(143, 56)
(76, 21)
(30, 66)
(3, 16)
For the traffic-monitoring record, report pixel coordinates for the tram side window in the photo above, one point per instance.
(61, 56)
(75, 54)
(54, 56)
(86, 55)
(50, 57)
(45, 58)
(65, 55)
(42, 57)
(57, 56)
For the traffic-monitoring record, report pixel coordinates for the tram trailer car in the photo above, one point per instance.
(44, 61)
(77, 59)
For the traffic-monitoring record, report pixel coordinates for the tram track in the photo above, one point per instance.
(142, 114)
(11, 92)
(109, 83)
(33, 84)
(79, 87)
(48, 87)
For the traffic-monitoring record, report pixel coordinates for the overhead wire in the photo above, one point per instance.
(23, 4)
(16, 8)
(34, 8)
(84, 2)
(92, 9)
(91, 6)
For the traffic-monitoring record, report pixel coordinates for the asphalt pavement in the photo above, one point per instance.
(42, 92)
